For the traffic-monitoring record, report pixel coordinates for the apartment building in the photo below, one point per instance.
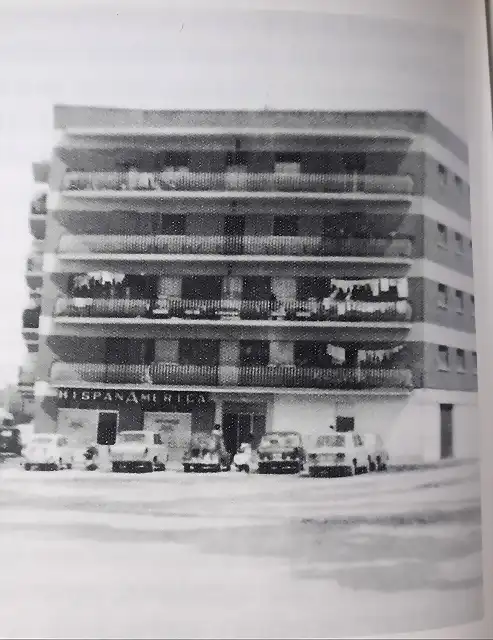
(34, 281)
(259, 270)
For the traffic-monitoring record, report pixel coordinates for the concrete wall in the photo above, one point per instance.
(409, 426)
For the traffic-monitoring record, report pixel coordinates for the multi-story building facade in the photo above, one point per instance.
(260, 270)
(34, 281)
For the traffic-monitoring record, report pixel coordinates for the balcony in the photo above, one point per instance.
(34, 271)
(26, 378)
(270, 376)
(170, 309)
(37, 217)
(187, 184)
(221, 247)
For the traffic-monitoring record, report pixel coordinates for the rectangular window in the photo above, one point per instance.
(459, 301)
(442, 235)
(461, 360)
(459, 243)
(173, 225)
(442, 174)
(443, 358)
(198, 352)
(473, 307)
(459, 183)
(442, 296)
(474, 362)
(344, 424)
(285, 226)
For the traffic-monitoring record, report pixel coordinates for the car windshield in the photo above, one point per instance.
(331, 441)
(131, 437)
(287, 440)
(43, 439)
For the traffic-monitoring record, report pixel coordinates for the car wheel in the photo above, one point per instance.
(28, 466)
(262, 469)
(115, 467)
(186, 468)
(313, 473)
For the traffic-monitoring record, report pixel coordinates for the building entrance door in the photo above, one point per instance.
(242, 427)
(446, 431)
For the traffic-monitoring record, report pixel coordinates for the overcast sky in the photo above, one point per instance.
(204, 54)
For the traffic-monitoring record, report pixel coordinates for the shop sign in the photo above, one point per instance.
(148, 400)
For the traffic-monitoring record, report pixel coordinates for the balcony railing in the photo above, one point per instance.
(290, 376)
(34, 263)
(287, 310)
(244, 245)
(249, 182)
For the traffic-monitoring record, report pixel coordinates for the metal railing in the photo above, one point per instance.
(250, 182)
(290, 376)
(237, 245)
(287, 310)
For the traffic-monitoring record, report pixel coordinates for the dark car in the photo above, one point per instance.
(281, 451)
(204, 454)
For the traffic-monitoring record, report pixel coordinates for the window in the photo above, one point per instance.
(442, 296)
(459, 243)
(173, 225)
(443, 358)
(459, 183)
(461, 360)
(198, 352)
(473, 307)
(474, 362)
(442, 174)
(285, 226)
(459, 299)
(344, 423)
(157, 438)
(442, 235)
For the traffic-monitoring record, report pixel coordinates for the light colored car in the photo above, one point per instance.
(49, 450)
(138, 450)
(378, 456)
(342, 452)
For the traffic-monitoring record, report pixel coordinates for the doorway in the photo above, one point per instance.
(234, 230)
(446, 431)
(242, 427)
(107, 427)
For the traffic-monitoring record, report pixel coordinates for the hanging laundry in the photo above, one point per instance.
(384, 285)
(402, 288)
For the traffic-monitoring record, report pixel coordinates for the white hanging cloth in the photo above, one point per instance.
(402, 288)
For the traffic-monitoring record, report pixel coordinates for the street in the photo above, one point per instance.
(173, 555)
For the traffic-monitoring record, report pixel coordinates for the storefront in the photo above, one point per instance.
(96, 415)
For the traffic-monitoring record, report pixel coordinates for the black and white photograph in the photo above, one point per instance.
(238, 357)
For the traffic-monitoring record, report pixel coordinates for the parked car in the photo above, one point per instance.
(378, 456)
(138, 450)
(204, 454)
(49, 450)
(281, 451)
(342, 452)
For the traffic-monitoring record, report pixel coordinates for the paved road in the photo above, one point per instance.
(173, 555)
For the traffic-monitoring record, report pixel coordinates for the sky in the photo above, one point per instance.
(238, 54)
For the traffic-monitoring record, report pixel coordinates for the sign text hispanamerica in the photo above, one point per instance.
(150, 400)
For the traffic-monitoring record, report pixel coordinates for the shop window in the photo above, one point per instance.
(461, 360)
(107, 428)
(443, 358)
(442, 296)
